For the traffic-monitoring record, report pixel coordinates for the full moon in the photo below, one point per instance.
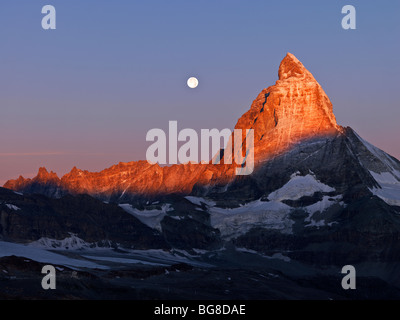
(192, 82)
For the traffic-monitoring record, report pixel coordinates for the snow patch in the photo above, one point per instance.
(299, 186)
(277, 255)
(70, 243)
(177, 217)
(246, 250)
(233, 222)
(199, 201)
(12, 207)
(313, 223)
(322, 205)
(280, 256)
(123, 260)
(167, 257)
(151, 218)
(390, 187)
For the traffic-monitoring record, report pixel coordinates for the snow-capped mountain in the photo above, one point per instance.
(320, 196)
(304, 160)
(315, 184)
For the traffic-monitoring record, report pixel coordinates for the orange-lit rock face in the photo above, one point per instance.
(142, 178)
(43, 177)
(293, 110)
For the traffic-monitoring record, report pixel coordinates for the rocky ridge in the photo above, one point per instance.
(293, 110)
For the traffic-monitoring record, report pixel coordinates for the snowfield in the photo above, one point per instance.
(299, 186)
(233, 222)
(58, 252)
(42, 255)
(272, 214)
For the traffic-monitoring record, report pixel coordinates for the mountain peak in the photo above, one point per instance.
(42, 171)
(296, 108)
(291, 67)
(44, 176)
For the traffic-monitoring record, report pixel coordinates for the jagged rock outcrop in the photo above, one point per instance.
(295, 109)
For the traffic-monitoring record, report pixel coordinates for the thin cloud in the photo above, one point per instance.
(28, 154)
(47, 153)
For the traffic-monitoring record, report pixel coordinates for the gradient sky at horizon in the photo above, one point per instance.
(86, 93)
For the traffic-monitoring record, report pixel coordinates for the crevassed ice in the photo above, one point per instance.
(233, 222)
(273, 214)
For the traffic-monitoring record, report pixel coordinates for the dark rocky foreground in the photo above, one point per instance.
(256, 278)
